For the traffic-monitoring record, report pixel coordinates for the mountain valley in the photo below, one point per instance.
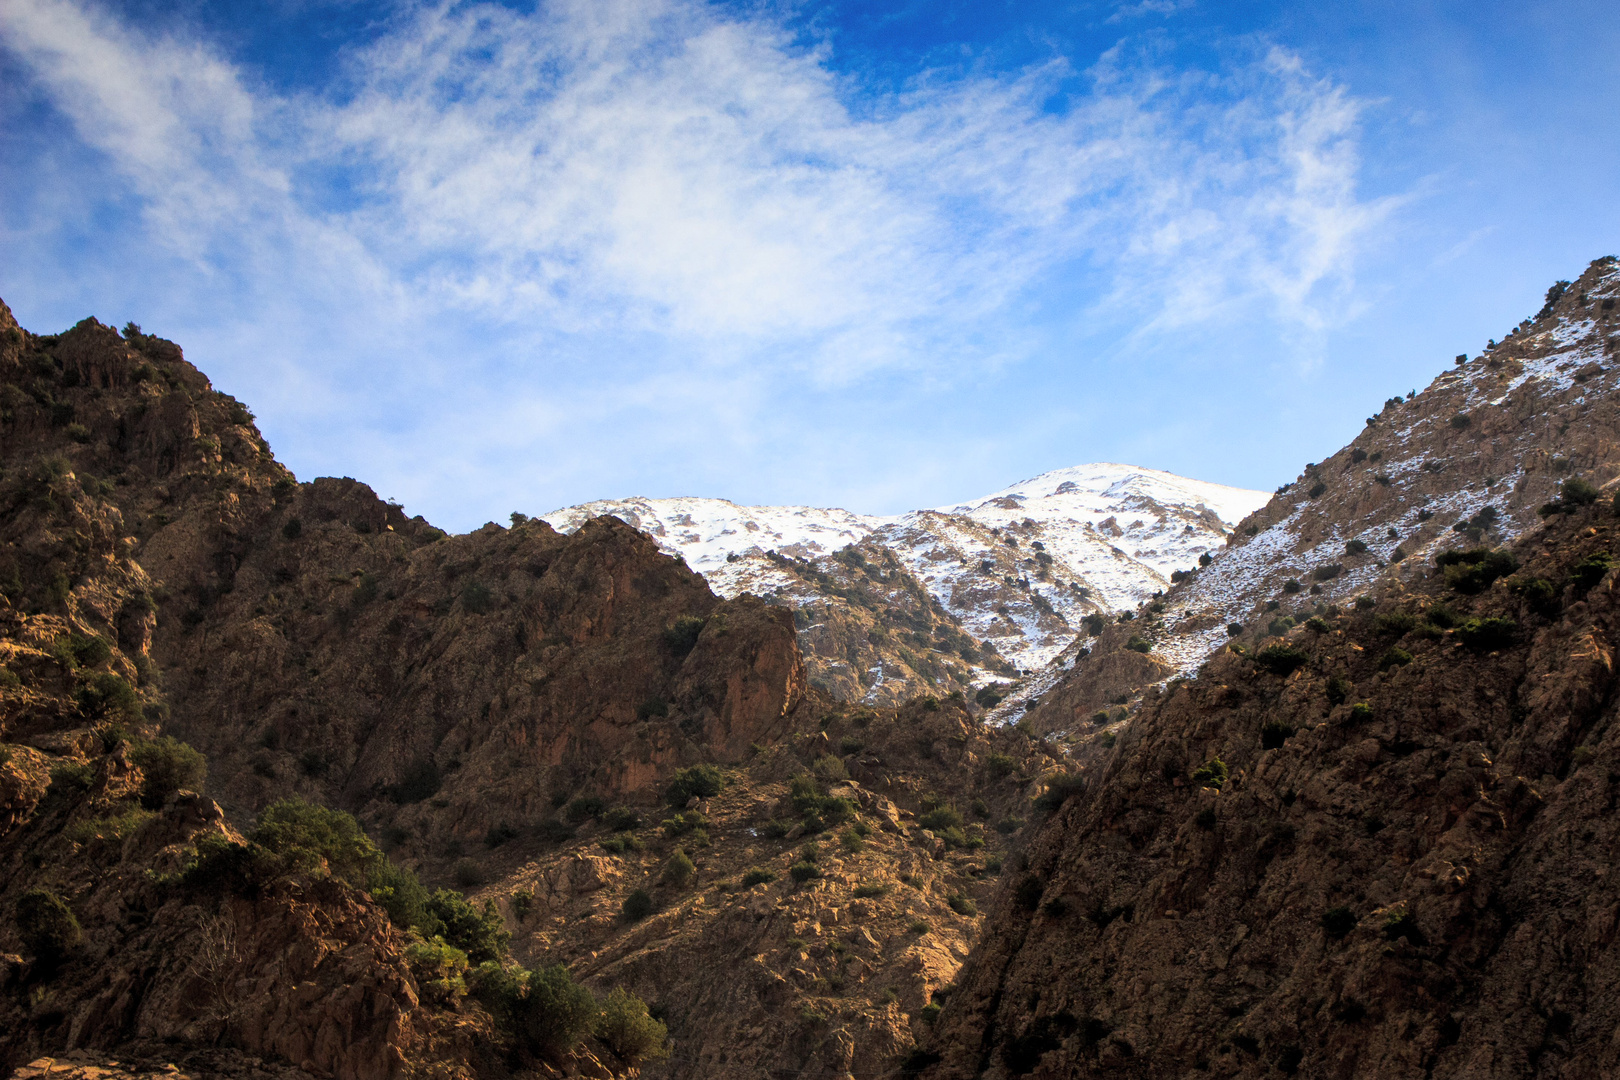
(1107, 772)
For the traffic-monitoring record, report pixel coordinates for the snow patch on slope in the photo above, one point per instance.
(1020, 566)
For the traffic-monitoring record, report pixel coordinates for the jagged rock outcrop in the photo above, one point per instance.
(1379, 846)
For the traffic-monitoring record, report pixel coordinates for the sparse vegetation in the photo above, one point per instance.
(1281, 659)
(1211, 774)
(703, 781)
(1473, 571)
(682, 634)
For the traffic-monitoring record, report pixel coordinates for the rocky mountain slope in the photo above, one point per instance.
(503, 712)
(1470, 459)
(1016, 572)
(1377, 845)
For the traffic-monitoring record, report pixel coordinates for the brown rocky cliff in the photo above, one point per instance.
(313, 639)
(1406, 872)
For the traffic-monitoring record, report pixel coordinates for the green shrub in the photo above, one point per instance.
(757, 876)
(107, 694)
(1280, 626)
(851, 841)
(1487, 635)
(1281, 659)
(1338, 690)
(315, 840)
(682, 634)
(962, 905)
(1473, 571)
(1578, 492)
(941, 818)
(918, 926)
(629, 1030)
(1328, 572)
(1009, 825)
(1394, 656)
(704, 781)
(440, 970)
(1355, 547)
(999, 765)
(1541, 595)
(1338, 921)
(584, 808)
(114, 828)
(1211, 774)
(1440, 615)
(930, 1012)
(1589, 571)
(981, 809)
(637, 906)
(869, 890)
(552, 1012)
(803, 871)
(477, 932)
(831, 769)
(683, 823)
(48, 929)
(621, 819)
(849, 744)
(167, 766)
(1140, 644)
(1360, 712)
(1395, 623)
(1316, 624)
(89, 650)
(680, 868)
(1400, 924)
(522, 904)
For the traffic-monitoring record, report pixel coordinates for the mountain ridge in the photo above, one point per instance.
(1018, 569)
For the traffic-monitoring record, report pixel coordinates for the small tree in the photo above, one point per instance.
(47, 926)
(637, 906)
(679, 869)
(628, 1029)
(167, 766)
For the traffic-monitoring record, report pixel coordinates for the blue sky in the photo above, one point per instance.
(489, 257)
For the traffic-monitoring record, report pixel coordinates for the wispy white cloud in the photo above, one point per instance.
(1148, 7)
(653, 192)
